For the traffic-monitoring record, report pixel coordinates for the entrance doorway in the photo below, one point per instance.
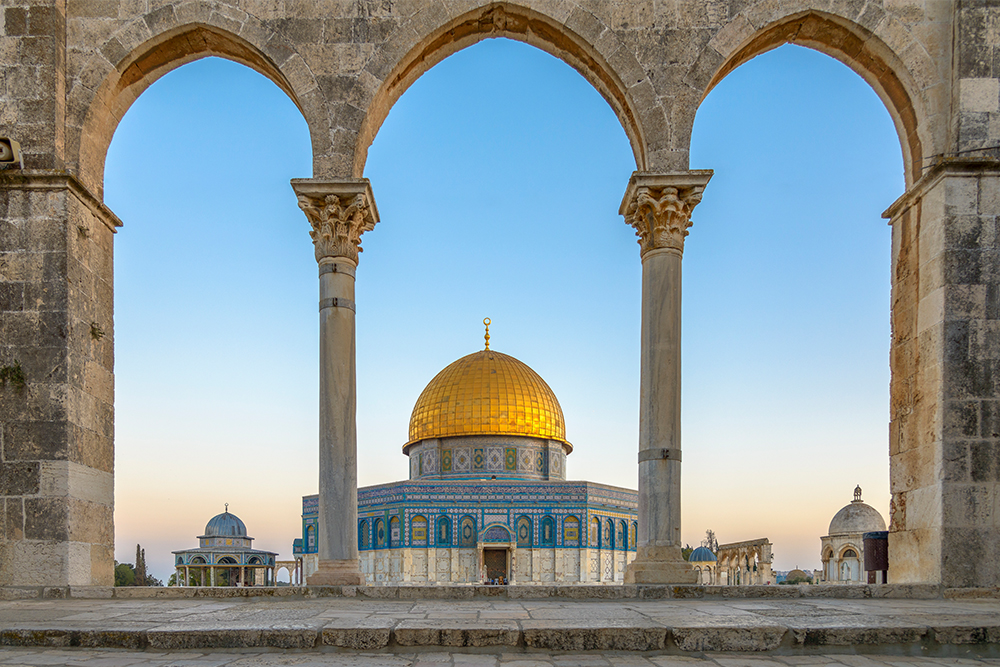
(495, 563)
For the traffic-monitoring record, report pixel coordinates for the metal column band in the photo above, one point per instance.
(335, 267)
(659, 454)
(337, 303)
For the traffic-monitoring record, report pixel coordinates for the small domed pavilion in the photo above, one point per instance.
(842, 549)
(225, 557)
(706, 565)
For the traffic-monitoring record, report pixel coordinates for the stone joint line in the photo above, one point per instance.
(337, 302)
(659, 454)
(337, 268)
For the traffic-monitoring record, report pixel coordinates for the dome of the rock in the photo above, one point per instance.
(487, 393)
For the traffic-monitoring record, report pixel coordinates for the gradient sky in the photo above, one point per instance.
(498, 177)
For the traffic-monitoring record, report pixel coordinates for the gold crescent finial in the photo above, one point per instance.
(486, 321)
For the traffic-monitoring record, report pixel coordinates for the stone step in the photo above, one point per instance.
(952, 628)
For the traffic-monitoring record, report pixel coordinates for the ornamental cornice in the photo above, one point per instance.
(339, 213)
(659, 205)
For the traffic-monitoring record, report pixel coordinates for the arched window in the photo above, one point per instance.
(594, 534)
(633, 530)
(418, 531)
(548, 532)
(394, 532)
(310, 539)
(571, 531)
(380, 533)
(364, 535)
(443, 536)
(621, 540)
(607, 540)
(467, 538)
(524, 532)
(850, 553)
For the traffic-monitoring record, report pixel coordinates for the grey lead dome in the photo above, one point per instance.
(225, 525)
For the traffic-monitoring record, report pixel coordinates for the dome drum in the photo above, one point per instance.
(482, 457)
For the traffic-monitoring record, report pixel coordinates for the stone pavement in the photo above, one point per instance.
(258, 658)
(797, 626)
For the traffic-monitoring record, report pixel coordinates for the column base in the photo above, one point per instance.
(660, 565)
(336, 573)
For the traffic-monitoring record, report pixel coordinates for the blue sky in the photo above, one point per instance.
(498, 177)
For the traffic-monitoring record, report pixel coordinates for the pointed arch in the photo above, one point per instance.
(902, 88)
(403, 59)
(136, 56)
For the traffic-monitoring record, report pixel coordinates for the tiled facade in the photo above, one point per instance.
(421, 531)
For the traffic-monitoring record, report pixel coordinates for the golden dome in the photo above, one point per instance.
(487, 393)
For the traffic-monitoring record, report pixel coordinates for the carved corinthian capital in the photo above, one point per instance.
(339, 213)
(659, 206)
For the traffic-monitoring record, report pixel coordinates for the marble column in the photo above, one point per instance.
(339, 213)
(658, 206)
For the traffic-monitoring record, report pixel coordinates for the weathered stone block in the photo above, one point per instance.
(748, 639)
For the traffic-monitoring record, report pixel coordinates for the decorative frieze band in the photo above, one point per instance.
(659, 206)
(339, 213)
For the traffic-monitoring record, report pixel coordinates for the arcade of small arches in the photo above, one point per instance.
(924, 61)
(607, 533)
(745, 563)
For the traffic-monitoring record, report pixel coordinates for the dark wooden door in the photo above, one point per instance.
(496, 563)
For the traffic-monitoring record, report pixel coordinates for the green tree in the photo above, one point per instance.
(124, 574)
(710, 541)
(686, 551)
(140, 566)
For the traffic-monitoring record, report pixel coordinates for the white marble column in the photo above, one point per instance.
(339, 213)
(658, 206)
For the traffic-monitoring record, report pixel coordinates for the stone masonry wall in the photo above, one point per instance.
(57, 427)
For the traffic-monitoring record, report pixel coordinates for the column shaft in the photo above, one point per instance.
(660, 401)
(337, 415)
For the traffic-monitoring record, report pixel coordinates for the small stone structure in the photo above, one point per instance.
(745, 563)
(225, 557)
(72, 69)
(843, 548)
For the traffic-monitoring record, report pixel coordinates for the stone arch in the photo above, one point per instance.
(136, 56)
(885, 55)
(416, 47)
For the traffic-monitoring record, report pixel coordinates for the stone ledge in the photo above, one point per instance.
(551, 636)
(524, 592)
